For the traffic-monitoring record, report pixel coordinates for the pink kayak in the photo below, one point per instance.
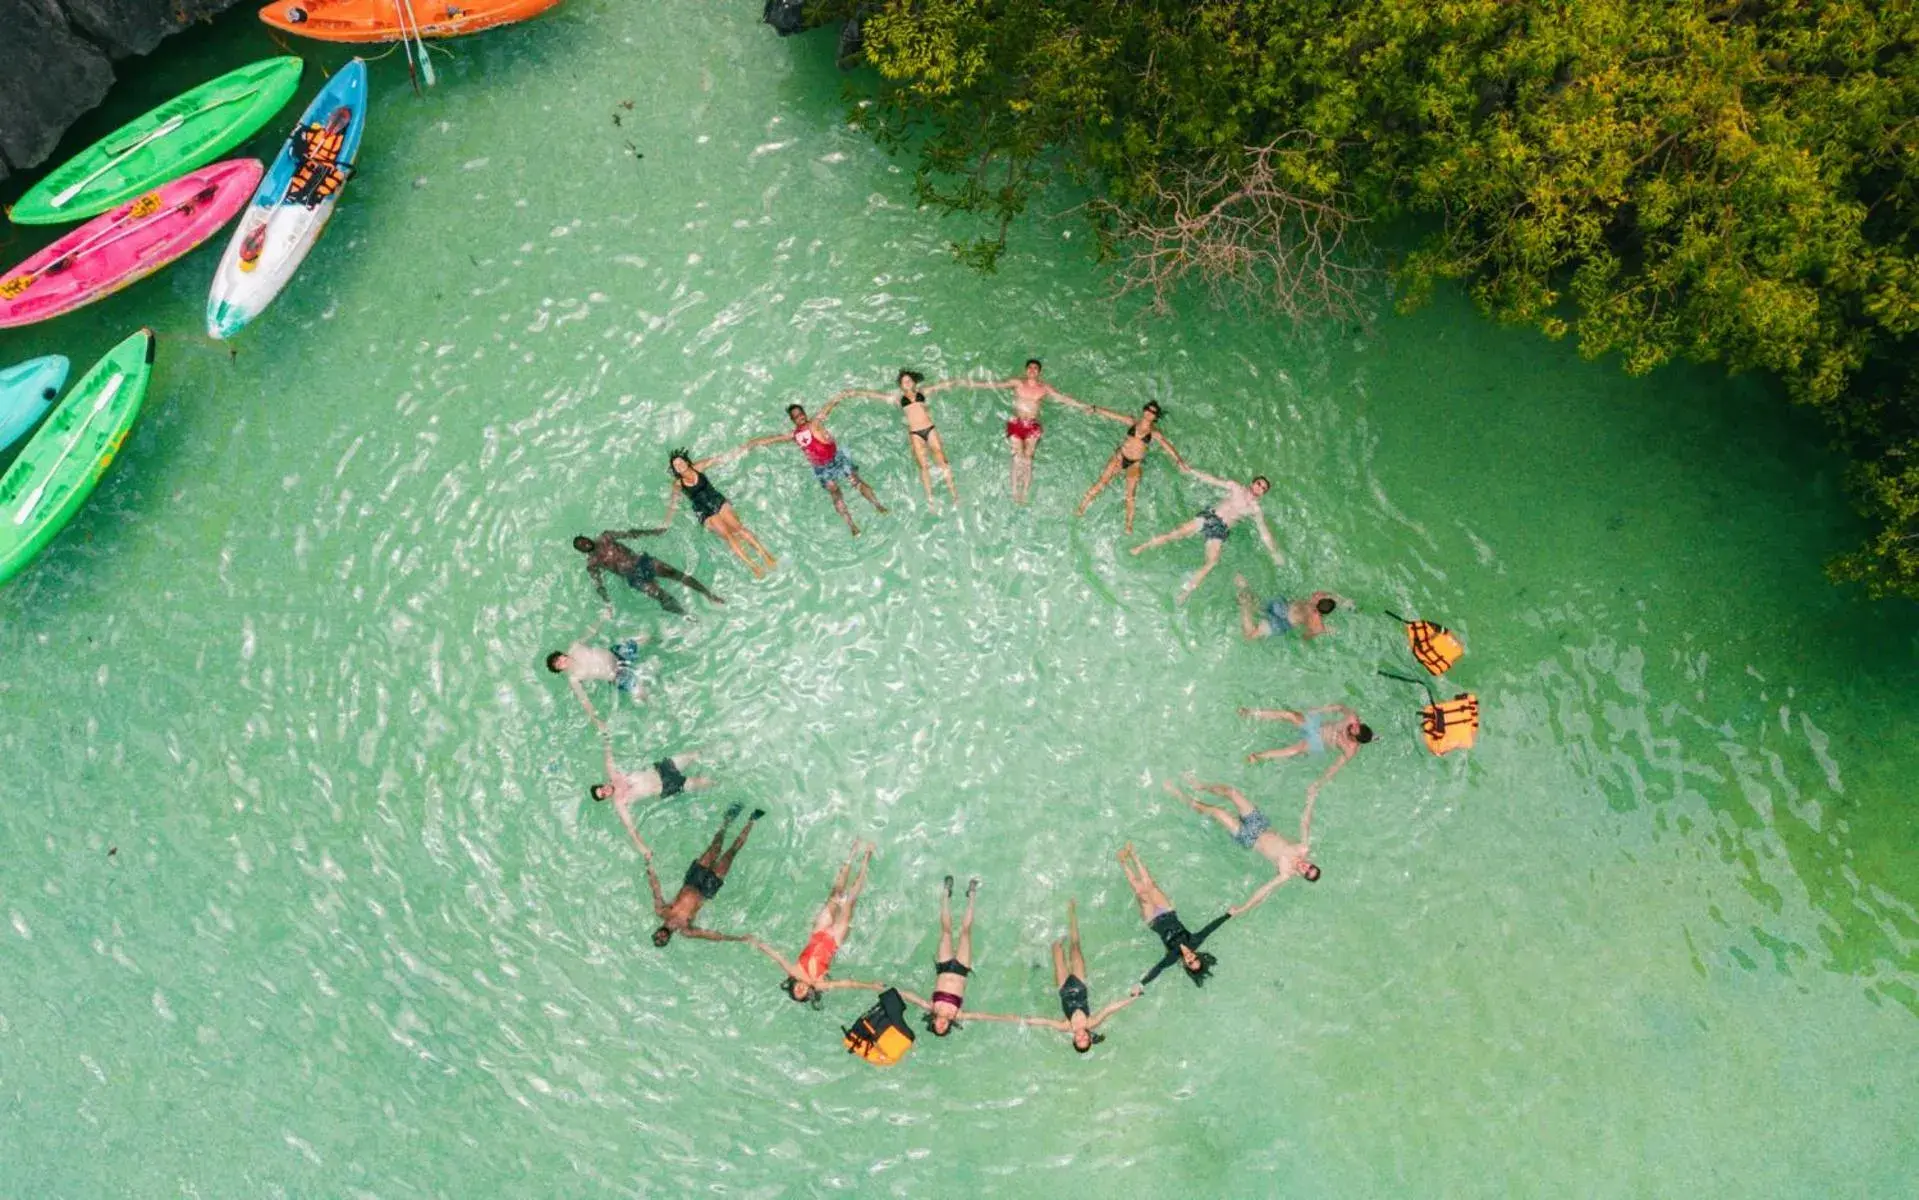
(126, 244)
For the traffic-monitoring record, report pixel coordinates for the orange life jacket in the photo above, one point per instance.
(322, 152)
(1448, 725)
(882, 1036)
(1434, 646)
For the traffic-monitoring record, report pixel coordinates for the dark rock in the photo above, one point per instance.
(787, 17)
(58, 55)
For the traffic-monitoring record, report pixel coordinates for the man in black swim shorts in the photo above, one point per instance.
(607, 553)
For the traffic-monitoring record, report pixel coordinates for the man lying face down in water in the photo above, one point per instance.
(607, 553)
(1279, 616)
(702, 883)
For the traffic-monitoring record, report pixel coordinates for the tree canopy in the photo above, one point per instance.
(1729, 182)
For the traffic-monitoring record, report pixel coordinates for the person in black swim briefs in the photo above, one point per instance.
(1182, 945)
(713, 510)
(1252, 831)
(665, 779)
(1069, 973)
(641, 571)
(1215, 524)
(702, 883)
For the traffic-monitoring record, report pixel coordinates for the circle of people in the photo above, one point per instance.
(1335, 730)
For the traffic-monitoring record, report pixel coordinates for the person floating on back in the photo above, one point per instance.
(1182, 945)
(951, 968)
(1069, 974)
(1142, 433)
(830, 464)
(1030, 391)
(1216, 524)
(713, 510)
(1251, 830)
(583, 663)
(665, 779)
(1332, 728)
(702, 883)
(806, 977)
(641, 571)
(1279, 616)
(922, 435)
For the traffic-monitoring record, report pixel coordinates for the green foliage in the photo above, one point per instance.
(1729, 181)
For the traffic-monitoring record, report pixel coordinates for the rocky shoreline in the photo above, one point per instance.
(70, 47)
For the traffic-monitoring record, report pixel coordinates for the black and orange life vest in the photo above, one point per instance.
(1449, 725)
(882, 1036)
(322, 155)
(1435, 646)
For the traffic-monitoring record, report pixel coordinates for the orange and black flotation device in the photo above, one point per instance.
(320, 157)
(1436, 647)
(1446, 725)
(882, 1036)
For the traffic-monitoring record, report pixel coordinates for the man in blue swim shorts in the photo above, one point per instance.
(1280, 616)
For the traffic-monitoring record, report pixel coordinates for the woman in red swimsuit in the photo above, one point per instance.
(806, 979)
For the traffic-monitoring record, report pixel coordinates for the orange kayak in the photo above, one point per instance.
(391, 20)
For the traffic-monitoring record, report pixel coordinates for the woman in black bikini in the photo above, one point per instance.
(1069, 972)
(712, 509)
(1182, 945)
(922, 435)
(951, 969)
(1140, 435)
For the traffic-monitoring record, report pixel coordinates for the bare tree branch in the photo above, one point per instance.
(1235, 226)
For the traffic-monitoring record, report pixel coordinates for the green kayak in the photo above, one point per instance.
(56, 471)
(188, 131)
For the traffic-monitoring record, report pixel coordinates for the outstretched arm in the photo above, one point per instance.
(773, 954)
(711, 936)
(580, 692)
(624, 807)
(1069, 402)
(1306, 819)
(859, 394)
(1108, 413)
(1203, 477)
(1266, 535)
(672, 503)
(856, 984)
(644, 531)
(832, 403)
(727, 456)
(916, 1000)
(1258, 897)
(1346, 753)
(970, 1015)
(1166, 445)
(1047, 1023)
(598, 574)
(944, 384)
(652, 879)
(605, 613)
(1093, 1021)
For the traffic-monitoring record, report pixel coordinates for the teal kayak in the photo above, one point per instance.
(27, 390)
(58, 469)
(188, 131)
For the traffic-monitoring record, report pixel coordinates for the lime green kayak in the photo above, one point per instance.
(56, 471)
(188, 131)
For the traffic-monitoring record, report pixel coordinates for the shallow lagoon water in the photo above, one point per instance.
(305, 896)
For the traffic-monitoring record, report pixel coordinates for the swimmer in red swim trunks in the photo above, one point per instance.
(806, 979)
(830, 465)
(1024, 430)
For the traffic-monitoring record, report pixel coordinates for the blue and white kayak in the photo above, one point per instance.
(27, 390)
(291, 207)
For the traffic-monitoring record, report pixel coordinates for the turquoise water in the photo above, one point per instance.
(305, 895)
